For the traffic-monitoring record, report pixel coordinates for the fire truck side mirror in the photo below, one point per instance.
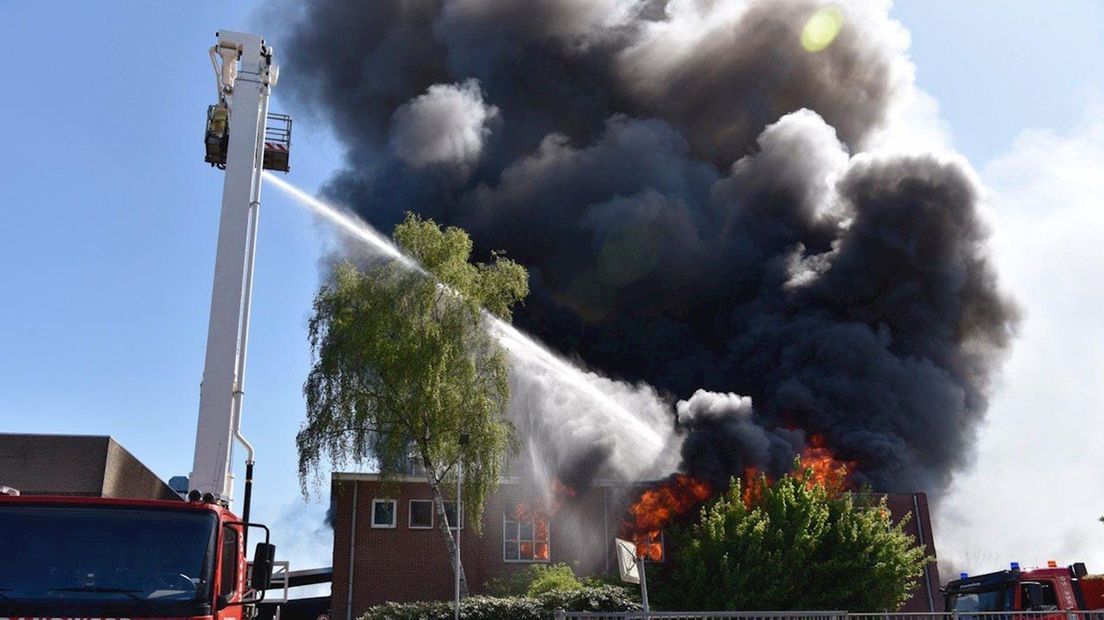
(263, 558)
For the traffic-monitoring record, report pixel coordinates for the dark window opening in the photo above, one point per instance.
(421, 514)
(383, 513)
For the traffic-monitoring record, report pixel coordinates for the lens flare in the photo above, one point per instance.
(822, 28)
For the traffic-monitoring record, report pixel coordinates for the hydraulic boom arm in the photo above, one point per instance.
(236, 132)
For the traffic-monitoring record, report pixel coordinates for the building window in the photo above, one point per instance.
(525, 538)
(421, 514)
(650, 546)
(450, 513)
(383, 512)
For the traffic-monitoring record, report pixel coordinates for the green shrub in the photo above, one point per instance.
(543, 607)
(600, 581)
(554, 578)
(515, 583)
(534, 580)
(603, 598)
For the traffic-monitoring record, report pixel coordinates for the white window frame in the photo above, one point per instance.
(410, 515)
(506, 519)
(394, 514)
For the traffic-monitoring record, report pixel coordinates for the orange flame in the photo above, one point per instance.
(649, 545)
(823, 468)
(657, 508)
(753, 484)
(819, 466)
(540, 513)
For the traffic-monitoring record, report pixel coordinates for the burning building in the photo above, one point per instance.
(386, 547)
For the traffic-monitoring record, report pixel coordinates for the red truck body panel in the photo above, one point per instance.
(1092, 588)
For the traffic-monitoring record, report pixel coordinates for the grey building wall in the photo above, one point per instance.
(87, 465)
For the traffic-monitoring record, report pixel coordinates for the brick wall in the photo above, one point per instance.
(82, 465)
(927, 596)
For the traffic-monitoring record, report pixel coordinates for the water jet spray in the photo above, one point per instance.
(570, 408)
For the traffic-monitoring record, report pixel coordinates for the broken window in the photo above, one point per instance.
(525, 537)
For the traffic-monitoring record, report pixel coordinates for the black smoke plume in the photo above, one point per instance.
(700, 202)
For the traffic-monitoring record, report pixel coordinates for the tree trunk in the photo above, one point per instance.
(443, 524)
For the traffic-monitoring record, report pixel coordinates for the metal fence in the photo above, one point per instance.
(828, 615)
(702, 615)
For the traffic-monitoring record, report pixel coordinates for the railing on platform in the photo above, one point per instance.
(702, 615)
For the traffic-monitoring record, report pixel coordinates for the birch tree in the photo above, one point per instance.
(403, 365)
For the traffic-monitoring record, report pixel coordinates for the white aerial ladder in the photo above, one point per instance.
(239, 140)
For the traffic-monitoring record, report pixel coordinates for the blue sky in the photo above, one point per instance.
(1000, 66)
(108, 218)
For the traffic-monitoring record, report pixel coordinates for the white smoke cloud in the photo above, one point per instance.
(445, 126)
(823, 159)
(303, 538)
(914, 124)
(706, 404)
(1034, 494)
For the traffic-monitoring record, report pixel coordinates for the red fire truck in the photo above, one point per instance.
(98, 557)
(1037, 589)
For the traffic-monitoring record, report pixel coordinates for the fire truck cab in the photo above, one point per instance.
(92, 557)
(1052, 588)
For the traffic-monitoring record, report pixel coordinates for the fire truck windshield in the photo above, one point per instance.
(72, 560)
(992, 599)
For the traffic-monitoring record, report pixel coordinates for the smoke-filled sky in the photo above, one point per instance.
(715, 199)
(110, 224)
(712, 208)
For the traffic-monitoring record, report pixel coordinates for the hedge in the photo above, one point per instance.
(543, 607)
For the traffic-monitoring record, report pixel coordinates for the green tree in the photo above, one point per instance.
(403, 366)
(791, 545)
